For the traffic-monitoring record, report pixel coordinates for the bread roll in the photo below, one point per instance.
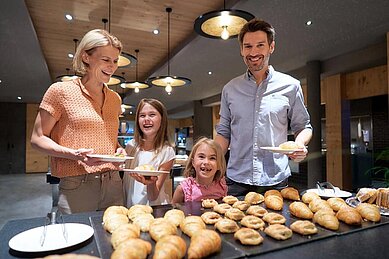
(300, 210)
(203, 243)
(290, 193)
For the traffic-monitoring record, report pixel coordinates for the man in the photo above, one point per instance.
(254, 113)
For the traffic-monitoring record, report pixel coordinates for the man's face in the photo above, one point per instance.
(256, 51)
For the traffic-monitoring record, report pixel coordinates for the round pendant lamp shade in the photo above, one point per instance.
(136, 85)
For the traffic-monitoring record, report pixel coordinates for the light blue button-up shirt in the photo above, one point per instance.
(254, 116)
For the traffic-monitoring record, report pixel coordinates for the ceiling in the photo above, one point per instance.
(35, 39)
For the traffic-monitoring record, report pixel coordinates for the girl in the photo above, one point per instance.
(205, 174)
(150, 146)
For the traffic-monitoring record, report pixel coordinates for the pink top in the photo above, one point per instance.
(197, 192)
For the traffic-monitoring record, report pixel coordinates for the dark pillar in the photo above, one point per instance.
(315, 171)
(202, 121)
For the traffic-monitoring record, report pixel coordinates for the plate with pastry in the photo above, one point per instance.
(146, 170)
(287, 147)
(111, 158)
(57, 236)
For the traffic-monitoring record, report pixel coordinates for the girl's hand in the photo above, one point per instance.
(146, 180)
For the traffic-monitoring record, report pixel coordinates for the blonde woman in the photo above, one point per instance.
(81, 117)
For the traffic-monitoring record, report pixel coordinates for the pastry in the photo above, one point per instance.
(208, 203)
(273, 192)
(289, 145)
(253, 222)
(242, 205)
(171, 246)
(279, 232)
(175, 216)
(114, 221)
(274, 202)
(256, 210)
(300, 210)
(203, 243)
(336, 203)
(145, 167)
(143, 221)
(349, 216)
(137, 209)
(234, 214)
(303, 227)
(248, 236)
(326, 218)
(254, 198)
(383, 197)
(369, 212)
(366, 194)
(317, 204)
(229, 199)
(210, 217)
(226, 226)
(290, 193)
(124, 232)
(222, 208)
(274, 218)
(114, 210)
(136, 247)
(192, 224)
(309, 196)
(160, 228)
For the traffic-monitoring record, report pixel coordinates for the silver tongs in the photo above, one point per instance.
(51, 219)
(320, 188)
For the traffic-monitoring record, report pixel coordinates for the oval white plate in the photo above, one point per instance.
(29, 240)
(279, 150)
(109, 158)
(145, 172)
(329, 193)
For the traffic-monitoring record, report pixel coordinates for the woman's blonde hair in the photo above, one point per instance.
(89, 43)
(220, 160)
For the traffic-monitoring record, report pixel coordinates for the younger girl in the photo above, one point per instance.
(205, 174)
(150, 146)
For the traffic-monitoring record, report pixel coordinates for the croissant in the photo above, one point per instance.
(290, 193)
(317, 204)
(114, 210)
(133, 248)
(124, 232)
(162, 227)
(300, 210)
(369, 212)
(203, 243)
(192, 224)
(309, 196)
(274, 202)
(254, 198)
(170, 246)
(114, 221)
(175, 216)
(336, 203)
(327, 219)
(143, 221)
(137, 209)
(273, 192)
(349, 216)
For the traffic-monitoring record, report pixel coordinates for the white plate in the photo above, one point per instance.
(109, 158)
(29, 240)
(329, 193)
(146, 172)
(280, 150)
(353, 202)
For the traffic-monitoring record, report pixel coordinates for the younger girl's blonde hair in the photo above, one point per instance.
(220, 160)
(89, 43)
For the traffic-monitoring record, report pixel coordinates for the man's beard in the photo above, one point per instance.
(264, 62)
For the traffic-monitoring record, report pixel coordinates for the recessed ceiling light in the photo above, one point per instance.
(70, 55)
(68, 17)
(155, 31)
(19, 98)
(308, 23)
(209, 72)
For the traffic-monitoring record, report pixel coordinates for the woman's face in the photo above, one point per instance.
(149, 121)
(205, 162)
(103, 63)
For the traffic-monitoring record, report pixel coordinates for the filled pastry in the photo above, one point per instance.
(274, 218)
(234, 214)
(278, 231)
(210, 217)
(256, 210)
(248, 236)
(253, 222)
(226, 226)
(229, 199)
(208, 203)
(253, 198)
(303, 227)
(203, 243)
(222, 208)
(242, 205)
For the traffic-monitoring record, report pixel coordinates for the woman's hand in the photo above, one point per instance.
(146, 180)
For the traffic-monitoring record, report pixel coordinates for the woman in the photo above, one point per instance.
(150, 146)
(81, 117)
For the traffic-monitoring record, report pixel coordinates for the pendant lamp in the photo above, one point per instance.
(136, 85)
(223, 24)
(68, 76)
(169, 81)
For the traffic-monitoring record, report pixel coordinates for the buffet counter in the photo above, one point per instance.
(368, 240)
